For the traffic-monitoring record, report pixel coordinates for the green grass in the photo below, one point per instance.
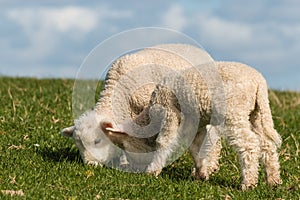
(37, 160)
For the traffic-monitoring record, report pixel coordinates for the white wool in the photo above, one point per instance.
(247, 122)
(247, 119)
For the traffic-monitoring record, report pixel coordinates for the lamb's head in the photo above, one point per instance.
(138, 150)
(94, 146)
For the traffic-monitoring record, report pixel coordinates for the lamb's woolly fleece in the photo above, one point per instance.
(248, 124)
(248, 120)
(161, 59)
(122, 77)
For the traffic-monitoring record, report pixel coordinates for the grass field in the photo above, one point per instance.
(36, 162)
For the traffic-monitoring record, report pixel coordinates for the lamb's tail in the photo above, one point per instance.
(265, 114)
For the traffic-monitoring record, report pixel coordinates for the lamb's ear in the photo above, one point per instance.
(68, 132)
(109, 129)
(115, 135)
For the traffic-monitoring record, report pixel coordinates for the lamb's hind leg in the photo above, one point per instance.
(200, 165)
(214, 153)
(269, 155)
(205, 150)
(271, 163)
(247, 145)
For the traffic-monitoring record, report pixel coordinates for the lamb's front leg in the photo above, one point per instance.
(123, 161)
(166, 142)
(205, 150)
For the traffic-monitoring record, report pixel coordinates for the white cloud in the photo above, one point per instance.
(174, 18)
(71, 18)
(59, 19)
(46, 29)
(291, 31)
(220, 32)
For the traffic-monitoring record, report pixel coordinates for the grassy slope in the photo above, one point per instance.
(36, 159)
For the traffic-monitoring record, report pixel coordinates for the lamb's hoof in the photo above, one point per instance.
(154, 173)
(212, 169)
(273, 182)
(245, 187)
(94, 163)
(124, 166)
(205, 175)
(200, 175)
(193, 174)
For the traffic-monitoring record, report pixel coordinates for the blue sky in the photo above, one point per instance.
(51, 38)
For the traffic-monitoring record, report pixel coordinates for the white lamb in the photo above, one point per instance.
(150, 65)
(248, 120)
(248, 124)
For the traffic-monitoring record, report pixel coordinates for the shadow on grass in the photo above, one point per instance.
(177, 174)
(224, 181)
(177, 171)
(59, 155)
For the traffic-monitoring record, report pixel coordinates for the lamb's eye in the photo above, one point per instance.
(97, 141)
